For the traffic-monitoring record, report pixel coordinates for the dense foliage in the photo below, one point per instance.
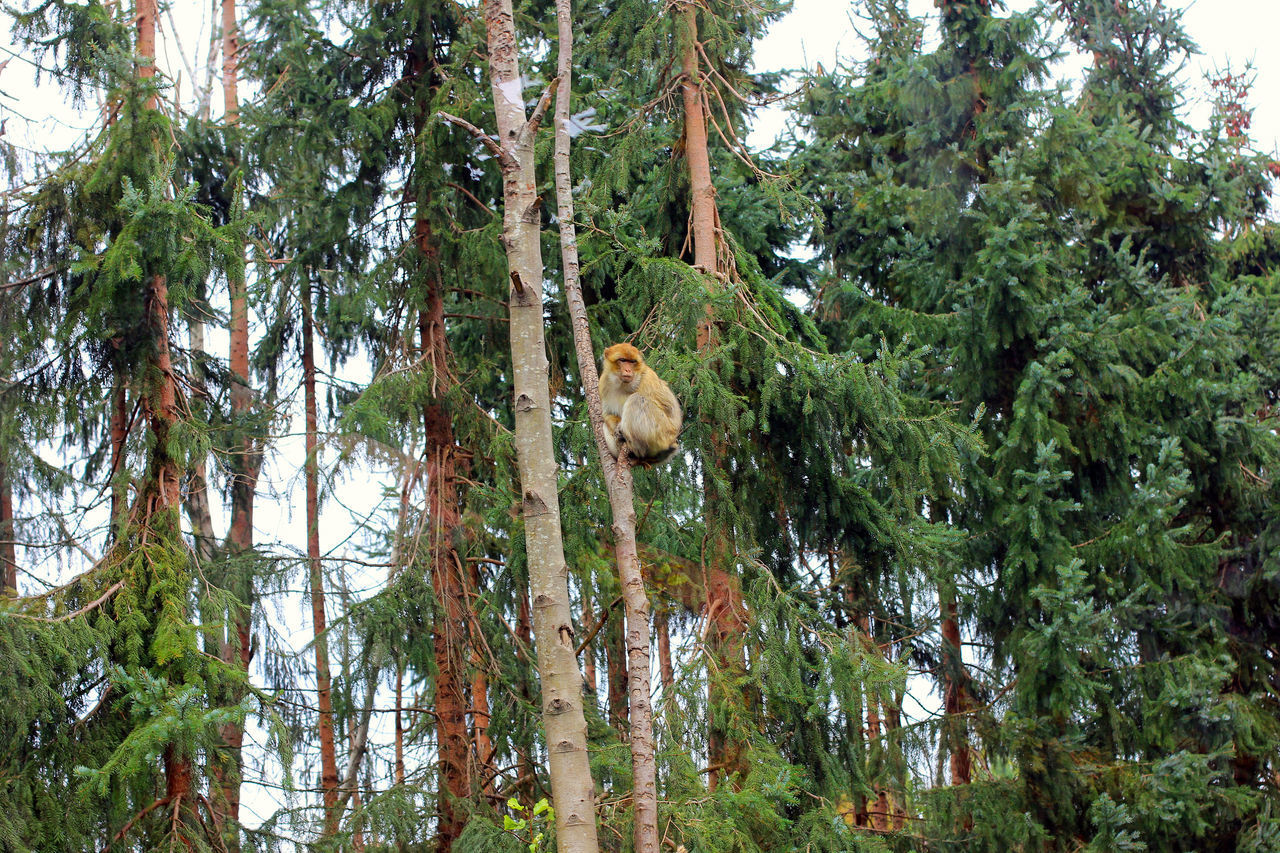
(973, 541)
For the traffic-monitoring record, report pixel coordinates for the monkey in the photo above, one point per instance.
(639, 408)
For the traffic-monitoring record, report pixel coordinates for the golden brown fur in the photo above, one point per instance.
(638, 406)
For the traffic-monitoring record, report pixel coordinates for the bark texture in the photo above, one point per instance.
(566, 729)
(635, 601)
(445, 520)
(237, 646)
(324, 697)
(725, 611)
(8, 553)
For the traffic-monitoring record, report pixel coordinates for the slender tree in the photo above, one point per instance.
(559, 675)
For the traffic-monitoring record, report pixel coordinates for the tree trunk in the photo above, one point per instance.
(725, 610)
(702, 214)
(615, 639)
(665, 666)
(588, 655)
(399, 724)
(237, 648)
(119, 438)
(145, 12)
(955, 696)
(324, 698)
(445, 520)
(561, 680)
(486, 772)
(8, 550)
(635, 601)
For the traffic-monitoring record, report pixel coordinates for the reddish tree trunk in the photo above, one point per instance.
(324, 698)
(119, 435)
(616, 661)
(480, 715)
(665, 666)
(588, 656)
(8, 551)
(725, 609)
(702, 214)
(445, 520)
(237, 649)
(399, 723)
(955, 697)
(145, 20)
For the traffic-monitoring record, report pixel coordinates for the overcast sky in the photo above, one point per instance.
(1232, 33)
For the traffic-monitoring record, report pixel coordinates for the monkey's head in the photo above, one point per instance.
(626, 360)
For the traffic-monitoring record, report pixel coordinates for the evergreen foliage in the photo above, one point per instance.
(992, 467)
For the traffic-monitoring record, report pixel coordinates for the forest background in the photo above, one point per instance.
(972, 543)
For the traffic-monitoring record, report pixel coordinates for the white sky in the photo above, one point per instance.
(1228, 32)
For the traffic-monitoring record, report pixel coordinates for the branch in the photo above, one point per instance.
(466, 192)
(595, 629)
(544, 101)
(505, 160)
(139, 816)
(67, 617)
(31, 279)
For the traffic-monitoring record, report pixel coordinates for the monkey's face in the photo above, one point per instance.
(626, 370)
(626, 361)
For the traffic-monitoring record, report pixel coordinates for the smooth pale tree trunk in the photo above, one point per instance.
(324, 696)
(572, 788)
(617, 476)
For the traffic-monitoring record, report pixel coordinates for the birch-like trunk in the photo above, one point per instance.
(617, 476)
(573, 791)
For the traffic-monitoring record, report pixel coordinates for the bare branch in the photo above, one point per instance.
(504, 159)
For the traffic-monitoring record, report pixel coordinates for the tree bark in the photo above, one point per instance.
(725, 611)
(445, 520)
(8, 551)
(615, 648)
(665, 667)
(324, 698)
(955, 696)
(566, 729)
(486, 772)
(617, 473)
(237, 647)
(702, 215)
(588, 655)
(119, 438)
(145, 21)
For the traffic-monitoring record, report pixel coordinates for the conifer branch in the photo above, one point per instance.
(67, 617)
